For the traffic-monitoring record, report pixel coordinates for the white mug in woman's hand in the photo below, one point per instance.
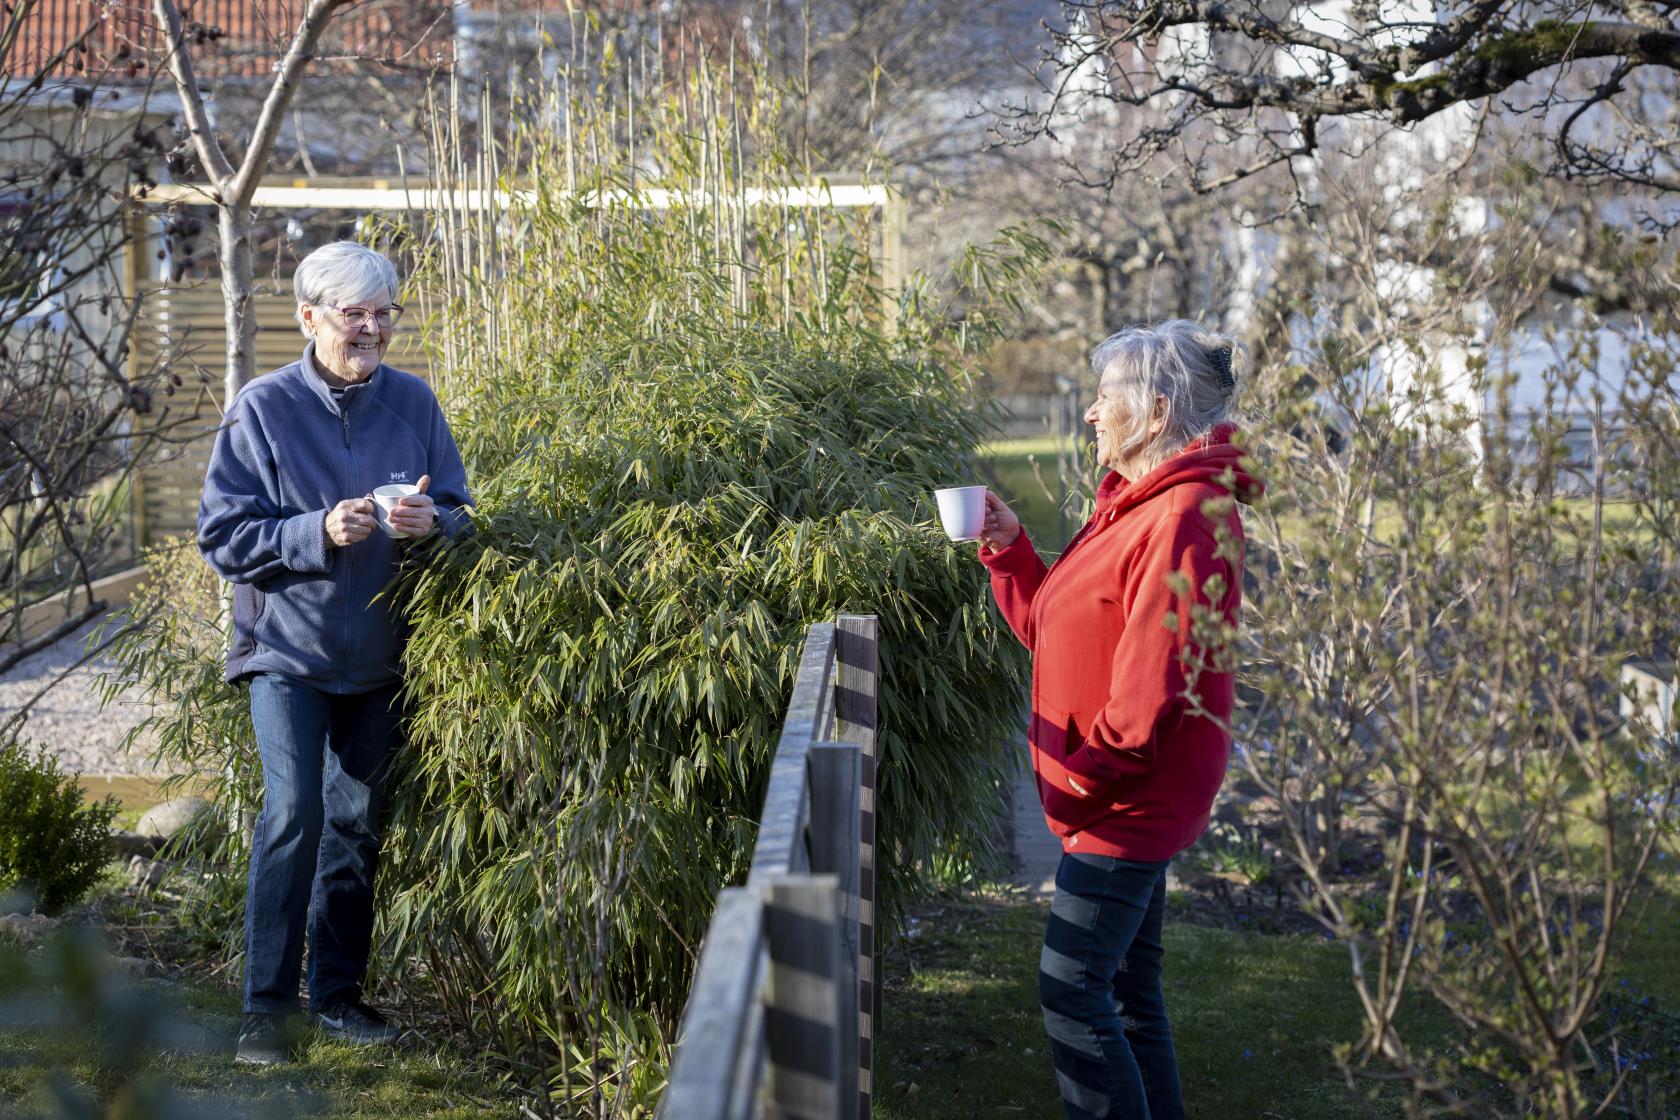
(385, 500)
(962, 510)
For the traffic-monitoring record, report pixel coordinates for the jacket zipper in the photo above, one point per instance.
(350, 559)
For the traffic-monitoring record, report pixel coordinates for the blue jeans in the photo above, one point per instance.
(1099, 981)
(316, 847)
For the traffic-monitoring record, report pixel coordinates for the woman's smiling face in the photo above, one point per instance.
(350, 353)
(1111, 418)
(1118, 437)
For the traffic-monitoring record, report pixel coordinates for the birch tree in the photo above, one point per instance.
(233, 184)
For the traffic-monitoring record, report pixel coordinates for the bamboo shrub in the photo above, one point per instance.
(691, 434)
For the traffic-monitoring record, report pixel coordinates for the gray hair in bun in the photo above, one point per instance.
(1193, 369)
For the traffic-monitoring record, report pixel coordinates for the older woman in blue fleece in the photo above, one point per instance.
(286, 519)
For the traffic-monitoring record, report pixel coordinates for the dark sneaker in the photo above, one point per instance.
(356, 1022)
(263, 1040)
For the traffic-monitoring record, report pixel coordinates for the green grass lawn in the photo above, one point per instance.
(47, 1034)
(1254, 1015)
(1649, 958)
(134, 794)
(1023, 473)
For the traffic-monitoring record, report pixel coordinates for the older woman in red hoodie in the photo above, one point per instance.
(1131, 698)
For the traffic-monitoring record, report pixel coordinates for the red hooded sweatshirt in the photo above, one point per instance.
(1125, 766)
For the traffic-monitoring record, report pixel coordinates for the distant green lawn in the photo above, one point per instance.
(1023, 472)
(134, 794)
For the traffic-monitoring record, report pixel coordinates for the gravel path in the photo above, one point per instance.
(68, 721)
(1038, 852)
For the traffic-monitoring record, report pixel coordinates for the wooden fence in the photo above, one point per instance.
(780, 1018)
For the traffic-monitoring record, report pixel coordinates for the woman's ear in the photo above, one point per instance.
(306, 313)
(1158, 415)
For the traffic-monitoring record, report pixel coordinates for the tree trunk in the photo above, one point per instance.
(234, 224)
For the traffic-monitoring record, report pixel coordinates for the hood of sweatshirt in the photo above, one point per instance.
(1213, 458)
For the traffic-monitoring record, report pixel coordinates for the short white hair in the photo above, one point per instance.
(1179, 361)
(343, 270)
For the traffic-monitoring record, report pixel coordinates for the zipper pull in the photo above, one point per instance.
(344, 419)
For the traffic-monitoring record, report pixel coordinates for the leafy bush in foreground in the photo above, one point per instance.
(52, 845)
(608, 662)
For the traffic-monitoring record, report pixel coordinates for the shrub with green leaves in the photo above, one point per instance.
(691, 433)
(53, 846)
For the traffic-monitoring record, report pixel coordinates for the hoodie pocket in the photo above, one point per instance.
(1070, 804)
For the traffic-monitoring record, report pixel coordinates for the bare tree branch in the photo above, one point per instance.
(236, 186)
(298, 56)
(1215, 69)
(192, 98)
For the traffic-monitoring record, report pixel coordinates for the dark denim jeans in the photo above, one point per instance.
(1099, 980)
(325, 758)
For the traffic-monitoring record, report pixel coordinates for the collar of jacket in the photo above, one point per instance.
(318, 385)
(1213, 457)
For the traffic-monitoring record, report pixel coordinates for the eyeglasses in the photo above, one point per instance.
(356, 317)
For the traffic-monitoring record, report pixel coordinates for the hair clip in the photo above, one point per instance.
(1221, 359)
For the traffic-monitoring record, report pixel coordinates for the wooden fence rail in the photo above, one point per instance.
(780, 1018)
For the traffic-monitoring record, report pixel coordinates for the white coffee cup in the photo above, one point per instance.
(385, 500)
(962, 510)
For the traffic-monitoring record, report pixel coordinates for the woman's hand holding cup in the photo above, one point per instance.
(413, 515)
(349, 522)
(1001, 526)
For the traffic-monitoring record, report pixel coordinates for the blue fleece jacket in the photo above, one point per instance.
(285, 455)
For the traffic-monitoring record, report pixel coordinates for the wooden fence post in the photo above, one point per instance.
(712, 1048)
(781, 846)
(801, 922)
(786, 978)
(836, 828)
(134, 277)
(857, 665)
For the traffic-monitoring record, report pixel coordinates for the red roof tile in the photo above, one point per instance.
(230, 38)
